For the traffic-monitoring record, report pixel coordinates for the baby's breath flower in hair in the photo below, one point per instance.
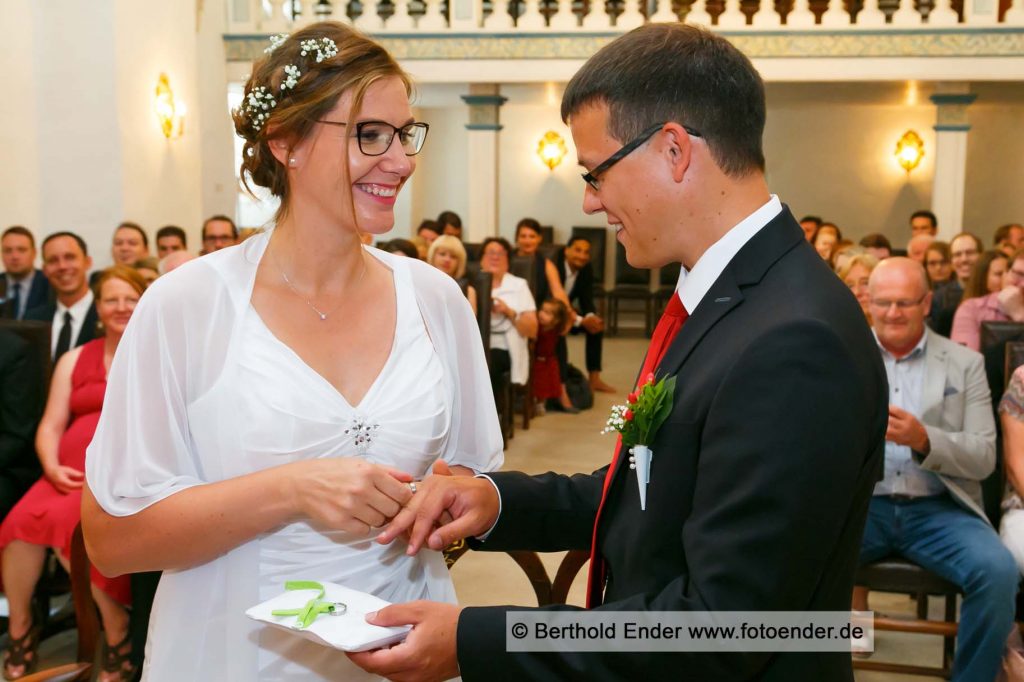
(258, 105)
(291, 76)
(276, 42)
(325, 48)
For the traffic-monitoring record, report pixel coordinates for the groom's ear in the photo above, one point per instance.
(677, 149)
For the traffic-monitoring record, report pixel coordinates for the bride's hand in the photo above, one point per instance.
(347, 493)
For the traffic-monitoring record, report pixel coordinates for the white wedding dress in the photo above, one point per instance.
(187, 405)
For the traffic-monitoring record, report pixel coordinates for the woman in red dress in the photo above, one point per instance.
(49, 512)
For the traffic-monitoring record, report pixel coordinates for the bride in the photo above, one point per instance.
(271, 402)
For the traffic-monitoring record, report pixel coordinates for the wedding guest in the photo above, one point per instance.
(937, 264)
(65, 263)
(856, 275)
(1011, 417)
(810, 224)
(21, 405)
(450, 223)
(825, 239)
(219, 232)
(923, 222)
(546, 282)
(271, 403)
(843, 258)
(918, 245)
(965, 249)
(448, 255)
(548, 388)
(174, 260)
(49, 512)
(169, 239)
(130, 244)
(877, 244)
(994, 292)
(513, 316)
(576, 276)
(402, 247)
(422, 247)
(149, 268)
(22, 287)
(840, 248)
(428, 230)
(1009, 238)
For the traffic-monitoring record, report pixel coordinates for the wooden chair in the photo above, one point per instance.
(86, 619)
(895, 574)
(668, 278)
(530, 562)
(631, 284)
(571, 564)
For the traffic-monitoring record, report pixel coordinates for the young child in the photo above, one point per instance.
(547, 380)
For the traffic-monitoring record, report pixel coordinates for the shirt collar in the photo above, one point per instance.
(693, 285)
(12, 280)
(918, 348)
(80, 308)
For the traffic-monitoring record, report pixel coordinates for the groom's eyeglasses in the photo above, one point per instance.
(627, 149)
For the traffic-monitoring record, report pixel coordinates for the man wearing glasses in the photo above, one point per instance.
(940, 445)
(219, 232)
(761, 475)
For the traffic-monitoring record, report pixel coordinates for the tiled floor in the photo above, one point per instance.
(571, 443)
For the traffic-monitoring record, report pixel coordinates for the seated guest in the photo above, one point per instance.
(1009, 238)
(918, 245)
(547, 376)
(572, 264)
(513, 317)
(428, 230)
(993, 293)
(422, 247)
(546, 282)
(937, 264)
(843, 256)
(450, 223)
(825, 240)
(49, 512)
(169, 239)
(65, 263)
(401, 247)
(1011, 416)
(923, 222)
(448, 255)
(130, 244)
(21, 404)
(810, 225)
(22, 287)
(856, 275)
(939, 445)
(840, 247)
(964, 251)
(149, 268)
(877, 245)
(173, 260)
(219, 232)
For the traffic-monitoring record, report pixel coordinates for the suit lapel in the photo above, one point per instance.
(934, 383)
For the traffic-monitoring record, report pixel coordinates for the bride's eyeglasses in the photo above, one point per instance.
(375, 137)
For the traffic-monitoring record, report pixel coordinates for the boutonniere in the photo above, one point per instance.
(638, 421)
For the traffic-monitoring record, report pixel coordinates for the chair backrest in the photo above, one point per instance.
(994, 337)
(482, 283)
(472, 251)
(38, 336)
(626, 274)
(1014, 359)
(547, 233)
(550, 251)
(525, 267)
(598, 237)
(529, 562)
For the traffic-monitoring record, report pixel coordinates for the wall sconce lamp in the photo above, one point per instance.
(909, 150)
(169, 111)
(551, 149)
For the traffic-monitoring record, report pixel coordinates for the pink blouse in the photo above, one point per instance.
(970, 315)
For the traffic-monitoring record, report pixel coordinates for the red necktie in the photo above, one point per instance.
(668, 326)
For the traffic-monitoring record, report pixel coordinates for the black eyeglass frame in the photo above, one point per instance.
(425, 127)
(627, 149)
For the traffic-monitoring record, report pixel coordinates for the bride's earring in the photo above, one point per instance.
(291, 162)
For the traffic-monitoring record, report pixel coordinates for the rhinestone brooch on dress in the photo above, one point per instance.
(362, 431)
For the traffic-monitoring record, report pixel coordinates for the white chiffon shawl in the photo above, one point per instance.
(162, 430)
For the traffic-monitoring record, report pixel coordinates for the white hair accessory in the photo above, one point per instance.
(259, 102)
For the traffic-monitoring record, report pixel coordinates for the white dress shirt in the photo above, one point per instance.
(693, 285)
(78, 312)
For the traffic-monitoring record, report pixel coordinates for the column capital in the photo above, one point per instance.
(484, 103)
(951, 111)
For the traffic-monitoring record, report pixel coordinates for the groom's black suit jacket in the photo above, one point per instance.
(759, 486)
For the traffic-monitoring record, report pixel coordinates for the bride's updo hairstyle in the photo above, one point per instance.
(329, 59)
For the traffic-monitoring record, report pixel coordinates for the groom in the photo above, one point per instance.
(763, 471)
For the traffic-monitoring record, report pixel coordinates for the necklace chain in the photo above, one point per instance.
(320, 313)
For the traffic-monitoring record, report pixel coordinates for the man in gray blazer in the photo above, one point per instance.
(940, 444)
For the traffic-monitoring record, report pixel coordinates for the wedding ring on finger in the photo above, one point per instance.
(412, 487)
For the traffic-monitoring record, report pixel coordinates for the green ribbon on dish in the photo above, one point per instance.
(313, 608)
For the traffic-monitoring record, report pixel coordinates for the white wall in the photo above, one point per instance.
(19, 173)
(995, 167)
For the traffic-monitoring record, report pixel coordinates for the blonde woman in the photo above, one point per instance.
(448, 255)
(273, 400)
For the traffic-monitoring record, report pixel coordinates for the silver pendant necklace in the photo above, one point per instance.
(320, 313)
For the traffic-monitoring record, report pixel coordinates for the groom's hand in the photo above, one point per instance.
(471, 503)
(428, 652)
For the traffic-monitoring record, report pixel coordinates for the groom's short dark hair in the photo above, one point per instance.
(674, 72)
